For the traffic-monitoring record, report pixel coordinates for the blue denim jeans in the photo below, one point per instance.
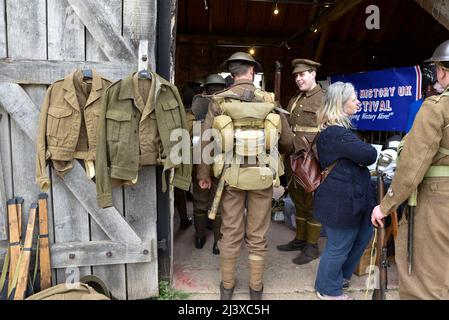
(344, 248)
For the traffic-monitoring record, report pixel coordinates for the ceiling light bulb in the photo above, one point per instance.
(252, 51)
(276, 10)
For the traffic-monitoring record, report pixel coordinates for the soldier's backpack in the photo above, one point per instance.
(69, 291)
(247, 129)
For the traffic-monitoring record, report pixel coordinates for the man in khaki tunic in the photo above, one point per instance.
(236, 226)
(424, 165)
(303, 121)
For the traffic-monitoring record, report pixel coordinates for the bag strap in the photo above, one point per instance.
(328, 170)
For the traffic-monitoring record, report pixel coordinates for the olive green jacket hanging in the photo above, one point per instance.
(129, 136)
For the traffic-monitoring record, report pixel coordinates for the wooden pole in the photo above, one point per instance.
(25, 262)
(20, 202)
(44, 250)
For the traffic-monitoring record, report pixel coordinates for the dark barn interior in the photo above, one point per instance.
(329, 31)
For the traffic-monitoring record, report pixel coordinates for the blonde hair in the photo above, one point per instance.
(332, 112)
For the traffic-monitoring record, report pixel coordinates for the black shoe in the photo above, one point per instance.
(225, 294)
(215, 249)
(199, 242)
(185, 223)
(255, 295)
(309, 253)
(293, 245)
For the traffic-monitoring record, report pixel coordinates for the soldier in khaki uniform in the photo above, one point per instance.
(303, 110)
(424, 166)
(235, 226)
(202, 198)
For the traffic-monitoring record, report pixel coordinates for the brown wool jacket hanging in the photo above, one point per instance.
(68, 123)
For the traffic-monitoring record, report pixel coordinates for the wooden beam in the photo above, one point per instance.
(3, 52)
(322, 44)
(100, 253)
(339, 9)
(228, 41)
(24, 71)
(95, 15)
(26, 115)
(439, 9)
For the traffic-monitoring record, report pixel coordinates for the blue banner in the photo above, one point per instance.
(386, 97)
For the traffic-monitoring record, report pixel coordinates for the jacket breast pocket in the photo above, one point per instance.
(172, 107)
(118, 125)
(58, 121)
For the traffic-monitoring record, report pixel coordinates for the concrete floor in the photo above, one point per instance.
(197, 271)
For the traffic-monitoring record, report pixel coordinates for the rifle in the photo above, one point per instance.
(381, 247)
(277, 83)
(412, 201)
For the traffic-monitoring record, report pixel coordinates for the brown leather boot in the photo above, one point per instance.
(310, 252)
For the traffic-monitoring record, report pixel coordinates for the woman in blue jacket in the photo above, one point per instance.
(344, 201)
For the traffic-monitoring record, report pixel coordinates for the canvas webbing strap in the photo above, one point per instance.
(437, 171)
(4, 271)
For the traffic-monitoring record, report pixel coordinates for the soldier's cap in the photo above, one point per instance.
(214, 79)
(441, 55)
(301, 65)
(97, 284)
(242, 57)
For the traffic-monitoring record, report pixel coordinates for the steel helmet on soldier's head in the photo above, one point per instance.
(441, 54)
(214, 79)
(243, 57)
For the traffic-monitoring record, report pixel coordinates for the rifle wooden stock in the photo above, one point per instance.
(14, 239)
(217, 198)
(25, 261)
(20, 202)
(44, 250)
(381, 249)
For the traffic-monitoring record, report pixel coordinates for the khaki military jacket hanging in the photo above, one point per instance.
(134, 131)
(68, 123)
(303, 118)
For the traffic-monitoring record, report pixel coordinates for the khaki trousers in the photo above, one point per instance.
(236, 227)
(307, 227)
(430, 267)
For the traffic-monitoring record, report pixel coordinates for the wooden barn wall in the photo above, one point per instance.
(52, 30)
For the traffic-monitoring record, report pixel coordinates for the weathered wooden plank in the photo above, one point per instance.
(44, 248)
(139, 23)
(65, 32)
(114, 276)
(93, 50)
(141, 214)
(95, 253)
(3, 51)
(27, 22)
(439, 9)
(17, 103)
(71, 222)
(5, 152)
(95, 14)
(3, 198)
(66, 42)
(46, 72)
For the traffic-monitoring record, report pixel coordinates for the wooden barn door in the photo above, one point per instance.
(40, 42)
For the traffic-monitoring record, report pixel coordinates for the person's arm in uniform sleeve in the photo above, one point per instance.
(420, 147)
(103, 181)
(42, 178)
(203, 170)
(354, 149)
(286, 145)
